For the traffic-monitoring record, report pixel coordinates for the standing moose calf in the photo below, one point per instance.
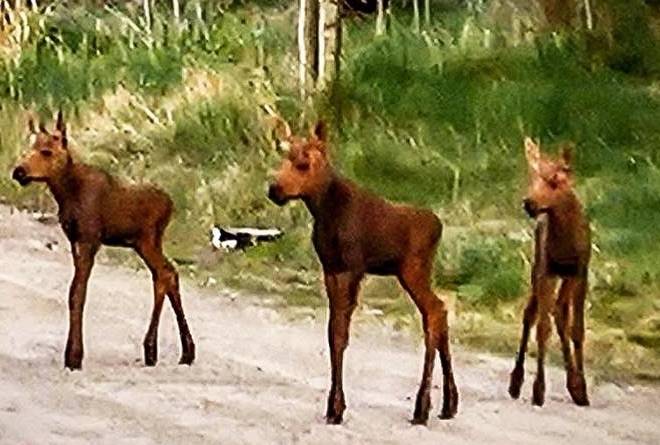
(356, 233)
(96, 209)
(562, 251)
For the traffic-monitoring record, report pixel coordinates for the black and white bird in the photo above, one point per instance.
(233, 238)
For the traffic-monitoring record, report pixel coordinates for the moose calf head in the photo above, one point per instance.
(550, 179)
(48, 155)
(305, 169)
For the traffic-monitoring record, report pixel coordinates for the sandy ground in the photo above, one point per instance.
(258, 378)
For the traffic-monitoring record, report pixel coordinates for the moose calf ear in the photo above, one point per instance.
(567, 154)
(321, 131)
(281, 129)
(61, 127)
(532, 152)
(31, 127)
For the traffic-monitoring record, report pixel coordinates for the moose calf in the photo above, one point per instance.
(562, 252)
(357, 233)
(96, 209)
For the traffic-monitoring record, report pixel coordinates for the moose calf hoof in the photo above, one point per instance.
(450, 402)
(447, 414)
(73, 357)
(581, 399)
(335, 412)
(188, 354)
(150, 355)
(421, 420)
(538, 393)
(422, 408)
(336, 419)
(577, 388)
(187, 359)
(515, 384)
(74, 364)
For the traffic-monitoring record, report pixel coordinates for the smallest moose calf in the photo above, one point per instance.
(95, 209)
(562, 252)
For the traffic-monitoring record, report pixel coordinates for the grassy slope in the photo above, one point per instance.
(434, 120)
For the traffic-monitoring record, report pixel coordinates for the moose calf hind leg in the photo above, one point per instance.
(577, 385)
(151, 338)
(172, 286)
(431, 338)
(449, 390)
(423, 399)
(187, 343)
(165, 282)
(416, 280)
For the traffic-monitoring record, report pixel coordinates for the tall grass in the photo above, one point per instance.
(71, 55)
(450, 110)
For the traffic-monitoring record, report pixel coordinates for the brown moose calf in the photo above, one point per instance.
(356, 233)
(96, 209)
(562, 252)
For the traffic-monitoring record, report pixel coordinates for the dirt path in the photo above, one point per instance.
(258, 378)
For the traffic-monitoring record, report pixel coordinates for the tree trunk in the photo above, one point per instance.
(147, 13)
(312, 38)
(302, 47)
(176, 11)
(380, 19)
(416, 15)
(427, 13)
(337, 60)
(339, 30)
(311, 43)
(588, 15)
(320, 35)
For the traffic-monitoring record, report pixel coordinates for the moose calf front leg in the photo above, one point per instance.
(545, 288)
(518, 373)
(542, 333)
(342, 293)
(83, 258)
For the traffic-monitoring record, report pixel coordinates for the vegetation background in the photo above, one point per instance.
(433, 113)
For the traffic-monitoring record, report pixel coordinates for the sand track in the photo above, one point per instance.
(257, 379)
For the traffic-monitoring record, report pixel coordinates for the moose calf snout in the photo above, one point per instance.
(20, 175)
(275, 194)
(530, 207)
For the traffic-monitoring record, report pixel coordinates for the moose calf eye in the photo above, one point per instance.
(46, 153)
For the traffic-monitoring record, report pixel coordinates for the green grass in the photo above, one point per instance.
(435, 120)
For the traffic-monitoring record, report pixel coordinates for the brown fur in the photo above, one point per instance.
(96, 209)
(357, 233)
(562, 253)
